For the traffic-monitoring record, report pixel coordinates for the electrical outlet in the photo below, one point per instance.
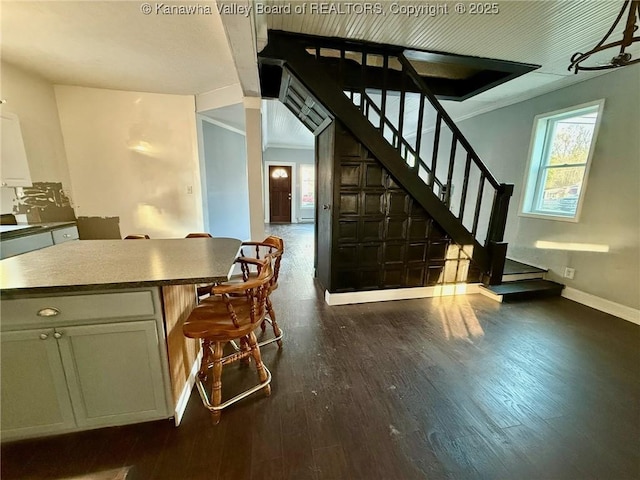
(189, 190)
(569, 273)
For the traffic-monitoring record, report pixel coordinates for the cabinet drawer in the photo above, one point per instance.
(16, 246)
(23, 312)
(62, 235)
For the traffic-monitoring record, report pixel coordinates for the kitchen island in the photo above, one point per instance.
(91, 331)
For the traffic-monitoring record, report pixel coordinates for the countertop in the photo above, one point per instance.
(99, 264)
(24, 229)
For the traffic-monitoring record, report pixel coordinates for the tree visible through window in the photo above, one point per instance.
(561, 151)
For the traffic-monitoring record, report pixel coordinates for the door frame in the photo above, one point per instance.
(294, 189)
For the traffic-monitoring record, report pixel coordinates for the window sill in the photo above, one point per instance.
(542, 216)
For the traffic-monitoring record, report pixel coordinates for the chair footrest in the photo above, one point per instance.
(271, 340)
(207, 403)
(260, 344)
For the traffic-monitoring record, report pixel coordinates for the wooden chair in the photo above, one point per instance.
(204, 289)
(274, 247)
(252, 256)
(233, 311)
(138, 236)
(199, 235)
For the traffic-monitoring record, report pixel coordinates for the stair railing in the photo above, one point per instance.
(472, 207)
(436, 153)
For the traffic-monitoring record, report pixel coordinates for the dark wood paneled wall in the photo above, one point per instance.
(381, 238)
(325, 168)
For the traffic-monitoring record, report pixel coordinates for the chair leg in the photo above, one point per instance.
(272, 315)
(244, 346)
(206, 356)
(255, 352)
(216, 390)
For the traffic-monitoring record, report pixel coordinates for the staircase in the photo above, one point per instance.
(521, 282)
(381, 98)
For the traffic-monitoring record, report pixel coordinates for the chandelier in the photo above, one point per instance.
(623, 58)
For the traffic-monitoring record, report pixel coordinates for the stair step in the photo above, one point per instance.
(514, 270)
(522, 290)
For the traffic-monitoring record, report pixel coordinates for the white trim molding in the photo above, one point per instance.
(604, 305)
(181, 406)
(369, 296)
(220, 124)
(289, 146)
(482, 290)
(220, 97)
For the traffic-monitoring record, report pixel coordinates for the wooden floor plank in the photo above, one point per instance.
(444, 388)
(330, 463)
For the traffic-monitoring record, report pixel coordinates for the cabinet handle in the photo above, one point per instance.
(48, 312)
(43, 336)
(57, 335)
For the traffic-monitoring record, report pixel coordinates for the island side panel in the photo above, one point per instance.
(178, 301)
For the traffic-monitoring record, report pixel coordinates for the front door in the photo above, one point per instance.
(279, 194)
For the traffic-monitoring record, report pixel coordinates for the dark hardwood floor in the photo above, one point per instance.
(452, 387)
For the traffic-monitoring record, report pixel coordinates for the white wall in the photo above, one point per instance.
(32, 98)
(294, 157)
(225, 175)
(133, 155)
(611, 210)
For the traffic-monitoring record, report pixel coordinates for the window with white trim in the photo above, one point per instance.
(560, 155)
(307, 186)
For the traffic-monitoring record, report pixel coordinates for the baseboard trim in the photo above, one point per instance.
(186, 391)
(489, 294)
(369, 296)
(604, 305)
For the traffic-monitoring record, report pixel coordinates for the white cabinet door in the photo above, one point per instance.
(14, 168)
(35, 399)
(114, 372)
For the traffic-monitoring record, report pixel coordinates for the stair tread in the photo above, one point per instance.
(522, 286)
(513, 267)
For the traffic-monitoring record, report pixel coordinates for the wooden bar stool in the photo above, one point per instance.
(138, 236)
(199, 235)
(252, 257)
(271, 246)
(233, 311)
(203, 289)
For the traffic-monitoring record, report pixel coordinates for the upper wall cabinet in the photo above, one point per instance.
(14, 169)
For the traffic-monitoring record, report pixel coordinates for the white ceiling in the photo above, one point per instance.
(543, 32)
(112, 44)
(281, 128)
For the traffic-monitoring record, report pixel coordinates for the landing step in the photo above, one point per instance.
(514, 270)
(522, 290)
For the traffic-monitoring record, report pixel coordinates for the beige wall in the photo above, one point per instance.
(611, 210)
(253, 127)
(32, 98)
(134, 156)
